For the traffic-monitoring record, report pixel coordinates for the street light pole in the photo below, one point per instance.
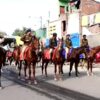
(41, 22)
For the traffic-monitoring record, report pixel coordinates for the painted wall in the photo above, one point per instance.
(73, 23)
(54, 27)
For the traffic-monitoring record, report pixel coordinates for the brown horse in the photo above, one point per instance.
(30, 58)
(74, 57)
(2, 61)
(90, 58)
(16, 54)
(58, 60)
(45, 60)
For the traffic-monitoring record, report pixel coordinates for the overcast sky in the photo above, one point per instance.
(18, 13)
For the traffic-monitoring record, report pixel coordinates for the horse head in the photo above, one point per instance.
(93, 52)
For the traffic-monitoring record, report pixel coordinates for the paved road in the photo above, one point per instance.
(14, 91)
(82, 88)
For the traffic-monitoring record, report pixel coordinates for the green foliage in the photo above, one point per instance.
(2, 33)
(64, 1)
(19, 32)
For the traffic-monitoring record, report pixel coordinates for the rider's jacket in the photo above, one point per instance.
(68, 43)
(84, 43)
(53, 43)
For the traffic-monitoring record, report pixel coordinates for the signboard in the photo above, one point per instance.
(75, 38)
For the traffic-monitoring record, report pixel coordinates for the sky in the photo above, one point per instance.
(25, 13)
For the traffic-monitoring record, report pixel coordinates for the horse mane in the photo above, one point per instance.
(2, 50)
(35, 43)
(76, 52)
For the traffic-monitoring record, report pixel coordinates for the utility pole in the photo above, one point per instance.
(41, 22)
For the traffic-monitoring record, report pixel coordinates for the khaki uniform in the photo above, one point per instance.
(84, 43)
(53, 43)
(68, 44)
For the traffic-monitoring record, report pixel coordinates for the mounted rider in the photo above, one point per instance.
(53, 41)
(84, 42)
(27, 39)
(68, 44)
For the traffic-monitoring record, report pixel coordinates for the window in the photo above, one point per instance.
(64, 25)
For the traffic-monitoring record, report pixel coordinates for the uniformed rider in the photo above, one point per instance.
(53, 41)
(68, 43)
(84, 42)
(27, 39)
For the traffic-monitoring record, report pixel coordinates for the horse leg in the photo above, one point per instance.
(91, 65)
(55, 71)
(25, 68)
(29, 72)
(34, 78)
(0, 76)
(71, 65)
(46, 68)
(19, 68)
(60, 71)
(88, 66)
(10, 60)
(42, 66)
(76, 68)
(62, 68)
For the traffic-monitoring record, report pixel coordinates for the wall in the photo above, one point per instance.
(89, 7)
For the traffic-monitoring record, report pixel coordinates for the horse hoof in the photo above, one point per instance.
(46, 76)
(26, 78)
(88, 74)
(1, 71)
(60, 79)
(29, 82)
(35, 82)
(19, 77)
(1, 87)
(76, 75)
(69, 74)
(92, 74)
(55, 79)
(78, 72)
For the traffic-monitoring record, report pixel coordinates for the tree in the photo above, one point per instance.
(65, 1)
(19, 32)
(2, 33)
